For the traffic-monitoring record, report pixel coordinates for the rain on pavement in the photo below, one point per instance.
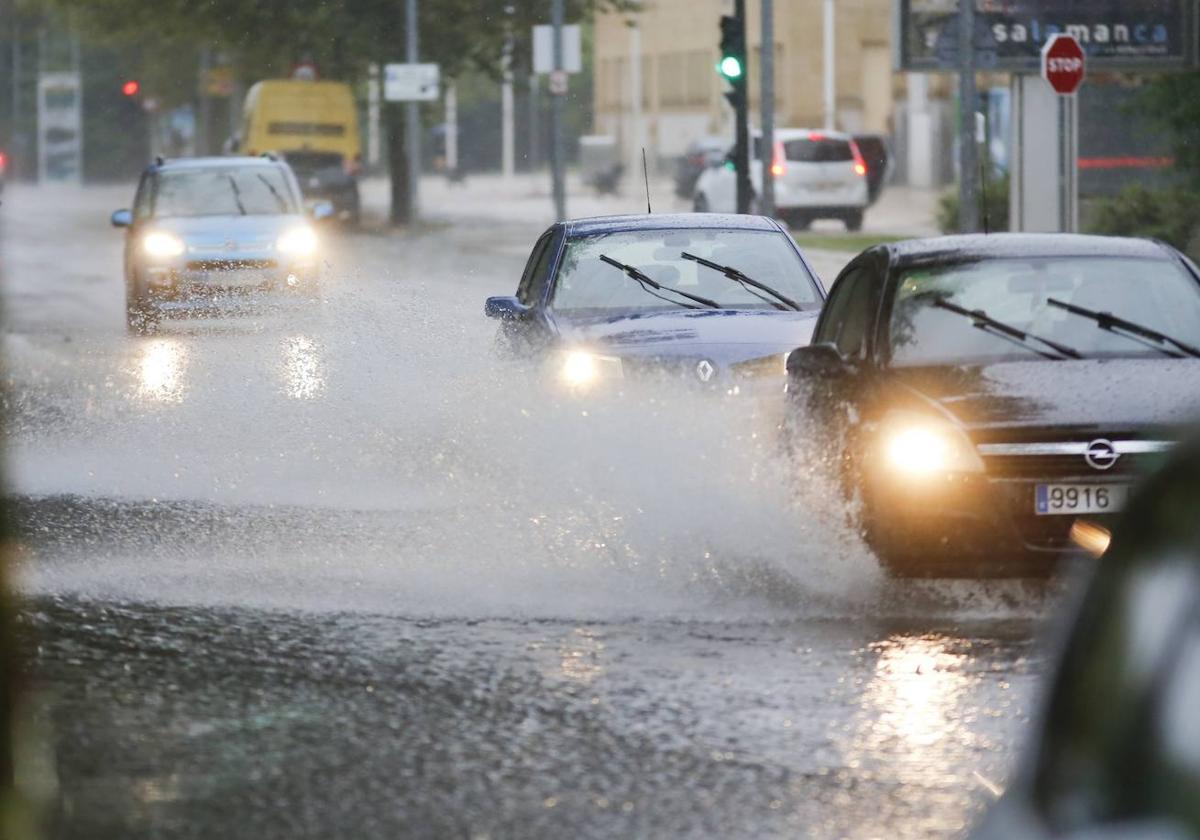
(330, 568)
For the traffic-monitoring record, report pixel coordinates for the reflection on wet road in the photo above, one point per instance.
(330, 569)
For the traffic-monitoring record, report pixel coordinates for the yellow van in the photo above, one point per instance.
(314, 127)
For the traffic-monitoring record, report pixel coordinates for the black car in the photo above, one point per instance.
(1117, 752)
(877, 156)
(982, 393)
(700, 155)
(708, 299)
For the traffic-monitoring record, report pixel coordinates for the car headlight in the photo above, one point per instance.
(298, 242)
(581, 369)
(159, 243)
(919, 445)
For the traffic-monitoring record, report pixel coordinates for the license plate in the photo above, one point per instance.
(1069, 499)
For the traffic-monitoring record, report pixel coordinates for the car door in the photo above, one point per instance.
(142, 205)
(527, 332)
(849, 322)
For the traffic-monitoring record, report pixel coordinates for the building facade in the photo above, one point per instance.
(681, 94)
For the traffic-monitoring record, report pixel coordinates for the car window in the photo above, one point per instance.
(849, 313)
(817, 149)
(225, 191)
(535, 269)
(1028, 294)
(585, 282)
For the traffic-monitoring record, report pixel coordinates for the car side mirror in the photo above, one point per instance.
(321, 210)
(505, 308)
(122, 218)
(819, 361)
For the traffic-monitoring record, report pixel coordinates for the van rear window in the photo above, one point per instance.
(306, 129)
(824, 150)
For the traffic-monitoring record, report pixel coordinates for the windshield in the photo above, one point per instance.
(1157, 294)
(240, 191)
(587, 284)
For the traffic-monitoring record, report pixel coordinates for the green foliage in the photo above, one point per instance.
(1172, 102)
(1170, 215)
(267, 37)
(996, 206)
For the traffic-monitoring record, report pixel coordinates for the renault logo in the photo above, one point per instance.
(705, 370)
(1101, 454)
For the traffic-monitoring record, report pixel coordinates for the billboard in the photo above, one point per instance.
(1009, 34)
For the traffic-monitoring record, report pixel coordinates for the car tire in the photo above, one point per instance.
(796, 220)
(854, 221)
(700, 203)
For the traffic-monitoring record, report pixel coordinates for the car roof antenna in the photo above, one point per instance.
(646, 177)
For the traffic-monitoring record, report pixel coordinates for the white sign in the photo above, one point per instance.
(558, 82)
(543, 49)
(411, 82)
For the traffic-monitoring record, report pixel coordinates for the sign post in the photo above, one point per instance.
(1064, 66)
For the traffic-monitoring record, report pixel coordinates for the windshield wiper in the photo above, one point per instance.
(781, 301)
(647, 282)
(274, 192)
(986, 322)
(237, 195)
(1129, 329)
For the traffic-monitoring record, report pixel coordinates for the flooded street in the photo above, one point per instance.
(330, 568)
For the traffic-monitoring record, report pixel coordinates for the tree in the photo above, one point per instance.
(1172, 101)
(266, 37)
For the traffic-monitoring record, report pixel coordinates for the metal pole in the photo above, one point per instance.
(767, 95)
(636, 142)
(556, 105)
(507, 162)
(15, 104)
(204, 124)
(968, 151)
(373, 136)
(412, 115)
(742, 115)
(452, 128)
(829, 50)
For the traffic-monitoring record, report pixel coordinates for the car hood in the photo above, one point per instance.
(721, 335)
(217, 230)
(1088, 395)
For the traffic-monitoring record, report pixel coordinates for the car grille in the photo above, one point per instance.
(1065, 466)
(230, 265)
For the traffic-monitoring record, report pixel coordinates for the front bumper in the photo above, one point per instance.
(192, 279)
(981, 524)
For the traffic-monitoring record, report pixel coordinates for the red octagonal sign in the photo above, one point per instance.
(1063, 64)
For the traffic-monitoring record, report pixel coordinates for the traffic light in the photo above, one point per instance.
(131, 88)
(733, 69)
(732, 65)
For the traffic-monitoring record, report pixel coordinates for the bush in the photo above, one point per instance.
(1172, 215)
(997, 206)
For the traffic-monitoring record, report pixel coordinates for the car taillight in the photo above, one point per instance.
(860, 165)
(3, 162)
(778, 166)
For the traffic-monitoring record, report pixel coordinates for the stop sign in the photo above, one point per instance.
(1063, 64)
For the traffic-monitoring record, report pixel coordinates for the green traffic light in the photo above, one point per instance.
(730, 67)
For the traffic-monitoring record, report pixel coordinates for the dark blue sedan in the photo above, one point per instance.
(705, 298)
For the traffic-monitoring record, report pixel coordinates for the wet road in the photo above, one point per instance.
(320, 569)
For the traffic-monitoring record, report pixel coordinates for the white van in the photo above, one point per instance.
(818, 175)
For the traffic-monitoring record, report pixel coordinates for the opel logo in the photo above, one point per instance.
(705, 370)
(1101, 454)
